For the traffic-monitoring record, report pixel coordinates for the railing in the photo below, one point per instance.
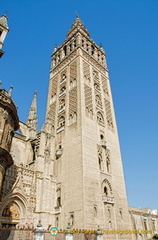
(61, 128)
(62, 93)
(61, 109)
(64, 80)
(103, 143)
(57, 209)
(107, 199)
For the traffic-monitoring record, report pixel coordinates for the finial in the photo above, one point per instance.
(0, 84)
(101, 45)
(77, 16)
(10, 91)
(6, 13)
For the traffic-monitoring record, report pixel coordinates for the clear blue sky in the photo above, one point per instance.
(128, 30)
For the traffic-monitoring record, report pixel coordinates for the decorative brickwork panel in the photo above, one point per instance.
(54, 87)
(95, 76)
(73, 73)
(73, 105)
(86, 71)
(108, 114)
(105, 86)
(52, 113)
(108, 163)
(88, 100)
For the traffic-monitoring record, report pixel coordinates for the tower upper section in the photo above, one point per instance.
(3, 32)
(78, 37)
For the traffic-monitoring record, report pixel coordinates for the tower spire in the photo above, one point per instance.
(32, 115)
(78, 26)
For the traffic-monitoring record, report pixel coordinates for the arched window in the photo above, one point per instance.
(70, 47)
(100, 118)
(96, 86)
(98, 100)
(63, 77)
(58, 202)
(62, 90)
(62, 102)
(109, 212)
(57, 222)
(71, 219)
(92, 49)
(101, 136)
(61, 121)
(108, 165)
(105, 191)
(110, 225)
(74, 43)
(82, 43)
(100, 160)
(121, 216)
(65, 50)
(95, 212)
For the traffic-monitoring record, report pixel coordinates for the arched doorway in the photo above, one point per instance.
(10, 215)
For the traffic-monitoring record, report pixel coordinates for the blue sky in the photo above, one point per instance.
(129, 35)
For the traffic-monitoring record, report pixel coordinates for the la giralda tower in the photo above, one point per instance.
(89, 187)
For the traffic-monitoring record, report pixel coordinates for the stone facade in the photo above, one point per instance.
(70, 172)
(144, 219)
(9, 122)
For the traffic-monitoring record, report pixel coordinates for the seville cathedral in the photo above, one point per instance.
(68, 174)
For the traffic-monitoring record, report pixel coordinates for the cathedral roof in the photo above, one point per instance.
(3, 21)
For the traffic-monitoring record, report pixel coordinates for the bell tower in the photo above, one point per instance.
(90, 187)
(3, 32)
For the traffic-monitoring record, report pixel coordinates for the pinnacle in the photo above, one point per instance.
(32, 116)
(3, 21)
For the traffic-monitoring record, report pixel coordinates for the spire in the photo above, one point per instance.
(32, 116)
(78, 26)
